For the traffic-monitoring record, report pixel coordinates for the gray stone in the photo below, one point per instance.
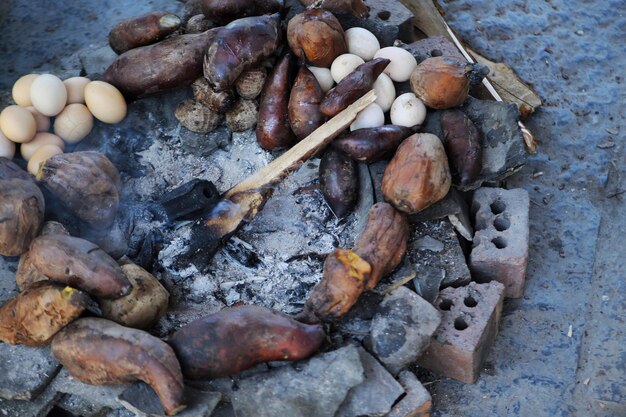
(8, 287)
(312, 388)
(95, 60)
(416, 403)
(141, 399)
(428, 243)
(428, 282)
(402, 328)
(25, 371)
(377, 169)
(99, 395)
(39, 407)
(81, 406)
(203, 144)
(375, 395)
(452, 206)
(432, 47)
(388, 20)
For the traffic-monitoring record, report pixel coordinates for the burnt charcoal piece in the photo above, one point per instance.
(192, 197)
(147, 254)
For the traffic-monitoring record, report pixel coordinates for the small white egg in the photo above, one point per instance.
(18, 124)
(7, 147)
(407, 110)
(48, 94)
(75, 87)
(21, 90)
(371, 116)
(73, 123)
(41, 155)
(362, 42)
(344, 65)
(105, 102)
(43, 122)
(402, 63)
(324, 77)
(385, 92)
(28, 149)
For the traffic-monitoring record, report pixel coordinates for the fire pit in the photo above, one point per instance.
(263, 249)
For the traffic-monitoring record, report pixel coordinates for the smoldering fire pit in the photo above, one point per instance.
(368, 362)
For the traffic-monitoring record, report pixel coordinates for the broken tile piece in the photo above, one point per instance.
(25, 371)
(471, 316)
(312, 388)
(402, 329)
(375, 395)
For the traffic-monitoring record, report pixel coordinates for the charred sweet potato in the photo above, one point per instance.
(462, 142)
(144, 305)
(239, 46)
(272, 129)
(383, 242)
(372, 144)
(165, 65)
(345, 278)
(316, 36)
(225, 11)
(237, 338)
(87, 183)
(79, 263)
(142, 30)
(353, 86)
(354, 7)
(35, 315)
(22, 211)
(339, 181)
(304, 104)
(418, 175)
(98, 351)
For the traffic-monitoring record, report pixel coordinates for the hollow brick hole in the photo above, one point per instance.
(446, 304)
(498, 207)
(501, 224)
(435, 53)
(460, 324)
(499, 242)
(470, 301)
(384, 15)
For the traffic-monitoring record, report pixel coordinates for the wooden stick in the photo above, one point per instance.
(302, 151)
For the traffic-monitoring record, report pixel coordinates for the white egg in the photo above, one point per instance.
(105, 102)
(385, 92)
(74, 123)
(362, 42)
(75, 87)
(48, 94)
(402, 63)
(28, 149)
(344, 65)
(7, 147)
(407, 110)
(21, 90)
(43, 122)
(324, 77)
(371, 116)
(17, 124)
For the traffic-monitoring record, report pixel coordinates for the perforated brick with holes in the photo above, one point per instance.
(500, 250)
(471, 316)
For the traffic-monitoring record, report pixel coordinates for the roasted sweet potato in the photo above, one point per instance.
(354, 7)
(144, 305)
(239, 46)
(272, 129)
(35, 315)
(383, 242)
(316, 37)
(339, 181)
(345, 278)
(79, 263)
(237, 338)
(98, 352)
(372, 144)
(22, 211)
(225, 11)
(304, 104)
(462, 142)
(142, 30)
(165, 65)
(353, 86)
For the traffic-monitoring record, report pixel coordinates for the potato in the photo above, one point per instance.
(144, 305)
(98, 351)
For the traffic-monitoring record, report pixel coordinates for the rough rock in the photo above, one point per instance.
(432, 47)
(25, 371)
(203, 144)
(82, 407)
(455, 208)
(312, 388)
(429, 281)
(375, 395)
(99, 395)
(416, 403)
(402, 328)
(388, 20)
(39, 407)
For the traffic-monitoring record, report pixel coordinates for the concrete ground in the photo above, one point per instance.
(562, 348)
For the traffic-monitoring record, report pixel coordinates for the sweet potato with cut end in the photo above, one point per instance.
(345, 278)
(372, 144)
(142, 30)
(237, 338)
(241, 45)
(163, 66)
(98, 352)
(304, 104)
(144, 305)
(225, 11)
(22, 210)
(462, 142)
(383, 243)
(35, 315)
(79, 263)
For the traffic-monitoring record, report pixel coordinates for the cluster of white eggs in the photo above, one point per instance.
(72, 103)
(404, 110)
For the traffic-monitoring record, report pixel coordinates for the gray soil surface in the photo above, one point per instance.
(561, 348)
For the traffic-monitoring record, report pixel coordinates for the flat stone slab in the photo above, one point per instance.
(99, 395)
(25, 371)
(39, 407)
(312, 388)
